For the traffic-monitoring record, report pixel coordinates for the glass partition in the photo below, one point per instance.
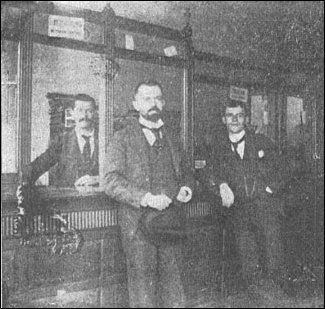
(58, 75)
(9, 106)
(150, 44)
(209, 99)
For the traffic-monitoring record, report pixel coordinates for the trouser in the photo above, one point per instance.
(257, 229)
(154, 278)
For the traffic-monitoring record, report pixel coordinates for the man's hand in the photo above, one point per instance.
(159, 202)
(87, 181)
(184, 195)
(227, 195)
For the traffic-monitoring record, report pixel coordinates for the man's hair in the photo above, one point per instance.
(149, 82)
(86, 98)
(233, 103)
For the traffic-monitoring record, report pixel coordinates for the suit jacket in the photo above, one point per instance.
(261, 165)
(127, 170)
(63, 154)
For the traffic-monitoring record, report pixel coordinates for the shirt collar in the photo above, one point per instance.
(234, 138)
(81, 132)
(149, 124)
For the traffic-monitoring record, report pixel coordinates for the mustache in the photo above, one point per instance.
(155, 109)
(84, 119)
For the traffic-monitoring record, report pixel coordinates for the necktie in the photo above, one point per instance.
(86, 151)
(158, 142)
(235, 145)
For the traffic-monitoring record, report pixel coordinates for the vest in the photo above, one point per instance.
(242, 174)
(162, 173)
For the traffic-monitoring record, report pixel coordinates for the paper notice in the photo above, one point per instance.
(199, 164)
(170, 51)
(129, 42)
(66, 27)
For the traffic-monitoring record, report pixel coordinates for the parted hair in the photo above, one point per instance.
(86, 98)
(233, 103)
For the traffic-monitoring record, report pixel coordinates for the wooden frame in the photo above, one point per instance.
(109, 21)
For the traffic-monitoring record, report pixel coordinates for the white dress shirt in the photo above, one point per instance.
(234, 138)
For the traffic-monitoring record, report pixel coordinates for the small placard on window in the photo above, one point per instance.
(129, 42)
(66, 27)
(170, 51)
(199, 164)
(239, 94)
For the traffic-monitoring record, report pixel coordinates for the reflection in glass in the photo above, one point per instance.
(9, 100)
(58, 75)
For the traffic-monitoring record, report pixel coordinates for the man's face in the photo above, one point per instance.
(149, 102)
(234, 119)
(83, 114)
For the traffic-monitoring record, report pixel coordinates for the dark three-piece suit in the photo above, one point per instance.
(133, 168)
(256, 213)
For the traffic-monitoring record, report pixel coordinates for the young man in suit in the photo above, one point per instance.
(145, 169)
(249, 178)
(74, 153)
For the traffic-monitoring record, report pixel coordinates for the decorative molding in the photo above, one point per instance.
(198, 209)
(188, 96)
(87, 220)
(25, 90)
(46, 224)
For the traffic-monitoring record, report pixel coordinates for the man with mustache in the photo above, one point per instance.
(146, 170)
(74, 154)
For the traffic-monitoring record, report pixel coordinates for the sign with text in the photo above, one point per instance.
(238, 94)
(199, 164)
(66, 27)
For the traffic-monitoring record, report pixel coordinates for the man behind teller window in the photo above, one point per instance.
(74, 153)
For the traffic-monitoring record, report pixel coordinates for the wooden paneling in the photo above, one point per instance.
(96, 275)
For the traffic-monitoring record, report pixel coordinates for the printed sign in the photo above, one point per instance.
(238, 94)
(199, 164)
(66, 27)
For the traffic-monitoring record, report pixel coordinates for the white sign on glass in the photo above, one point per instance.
(66, 27)
(170, 51)
(129, 42)
(238, 94)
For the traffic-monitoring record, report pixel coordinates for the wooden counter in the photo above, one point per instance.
(95, 276)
